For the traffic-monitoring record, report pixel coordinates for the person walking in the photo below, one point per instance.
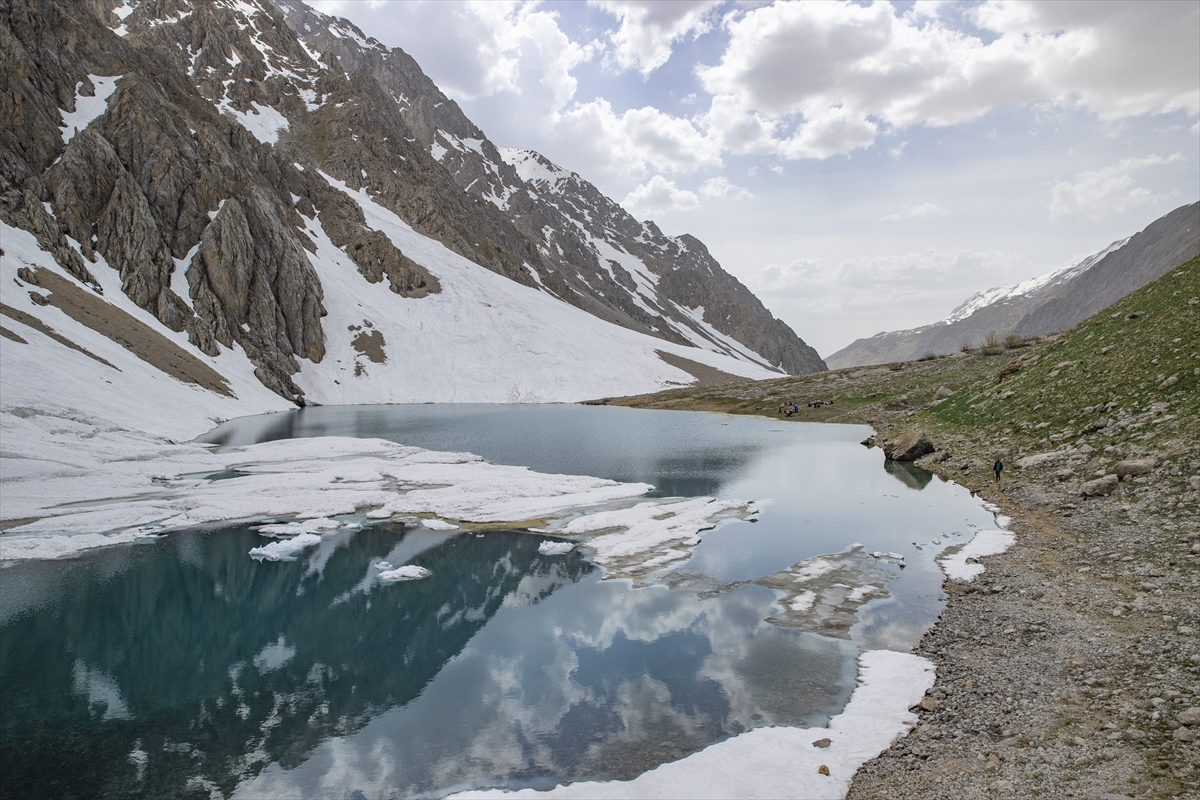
(997, 468)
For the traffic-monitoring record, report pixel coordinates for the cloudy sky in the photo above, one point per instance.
(861, 166)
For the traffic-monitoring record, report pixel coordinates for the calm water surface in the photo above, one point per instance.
(182, 667)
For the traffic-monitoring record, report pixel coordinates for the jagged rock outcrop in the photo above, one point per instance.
(251, 281)
(140, 183)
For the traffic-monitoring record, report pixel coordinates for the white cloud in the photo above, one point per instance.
(480, 49)
(649, 28)
(637, 141)
(720, 187)
(921, 287)
(659, 195)
(810, 80)
(923, 210)
(1105, 192)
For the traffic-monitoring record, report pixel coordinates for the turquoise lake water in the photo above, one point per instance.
(182, 667)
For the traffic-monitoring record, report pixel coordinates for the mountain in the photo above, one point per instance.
(188, 184)
(1047, 304)
(589, 251)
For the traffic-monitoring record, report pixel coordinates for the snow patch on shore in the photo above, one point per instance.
(779, 762)
(962, 564)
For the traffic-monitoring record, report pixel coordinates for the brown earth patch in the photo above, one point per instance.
(705, 375)
(136, 337)
(7, 334)
(30, 321)
(370, 345)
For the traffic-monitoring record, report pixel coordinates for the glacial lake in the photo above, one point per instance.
(183, 667)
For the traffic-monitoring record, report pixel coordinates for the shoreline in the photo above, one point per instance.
(1043, 687)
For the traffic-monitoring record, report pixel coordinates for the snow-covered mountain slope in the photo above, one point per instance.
(581, 246)
(199, 163)
(1046, 304)
(1029, 288)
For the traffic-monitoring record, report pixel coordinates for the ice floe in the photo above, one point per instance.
(286, 549)
(779, 762)
(555, 548)
(819, 595)
(632, 542)
(409, 572)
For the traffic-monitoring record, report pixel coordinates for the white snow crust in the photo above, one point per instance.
(483, 338)
(264, 122)
(962, 565)
(779, 762)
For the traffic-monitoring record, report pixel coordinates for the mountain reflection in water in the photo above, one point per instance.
(182, 667)
(185, 664)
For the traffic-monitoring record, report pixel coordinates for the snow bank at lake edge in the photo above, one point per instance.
(963, 564)
(779, 762)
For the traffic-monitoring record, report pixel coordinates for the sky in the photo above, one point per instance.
(861, 166)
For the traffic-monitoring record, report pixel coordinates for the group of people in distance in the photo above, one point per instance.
(788, 409)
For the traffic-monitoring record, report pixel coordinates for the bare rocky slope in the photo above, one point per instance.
(1044, 305)
(197, 147)
(1071, 667)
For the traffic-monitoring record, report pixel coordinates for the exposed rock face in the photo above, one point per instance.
(1048, 304)
(140, 183)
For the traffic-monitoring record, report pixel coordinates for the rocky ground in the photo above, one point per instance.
(1068, 669)
(1071, 667)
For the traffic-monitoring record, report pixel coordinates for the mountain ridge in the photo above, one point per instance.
(1046, 304)
(242, 183)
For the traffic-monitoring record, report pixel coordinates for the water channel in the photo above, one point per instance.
(182, 667)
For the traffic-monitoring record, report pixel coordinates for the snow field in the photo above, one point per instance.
(483, 338)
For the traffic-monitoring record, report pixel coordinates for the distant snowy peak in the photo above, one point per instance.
(533, 167)
(1031, 287)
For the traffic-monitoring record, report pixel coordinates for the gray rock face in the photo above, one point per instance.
(251, 280)
(1163, 245)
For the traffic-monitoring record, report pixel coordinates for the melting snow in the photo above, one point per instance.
(963, 565)
(88, 108)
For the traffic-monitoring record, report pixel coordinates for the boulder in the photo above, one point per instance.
(1099, 487)
(1190, 717)
(1135, 466)
(942, 393)
(1041, 459)
(909, 447)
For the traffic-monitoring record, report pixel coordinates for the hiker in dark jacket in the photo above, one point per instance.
(997, 467)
